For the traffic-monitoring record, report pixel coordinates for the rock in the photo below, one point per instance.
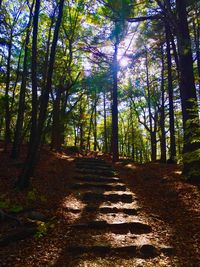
(117, 228)
(103, 249)
(98, 249)
(98, 179)
(118, 210)
(167, 250)
(97, 171)
(148, 251)
(100, 187)
(114, 198)
(37, 216)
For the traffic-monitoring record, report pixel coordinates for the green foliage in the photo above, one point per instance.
(191, 161)
(5, 203)
(32, 195)
(191, 156)
(43, 228)
(86, 37)
(15, 208)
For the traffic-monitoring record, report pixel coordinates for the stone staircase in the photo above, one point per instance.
(110, 226)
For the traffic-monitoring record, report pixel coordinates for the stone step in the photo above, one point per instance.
(92, 161)
(94, 167)
(101, 250)
(114, 198)
(143, 251)
(98, 172)
(99, 179)
(105, 210)
(97, 186)
(117, 228)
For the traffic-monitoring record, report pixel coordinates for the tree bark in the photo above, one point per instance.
(7, 106)
(115, 148)
(21, 109)
(196, 29)
(171, 97)
(30, 163)
(152, 131)
(105, 122)
(95, 121)
(34, 76)
(56, 122)
(191, 150)
(162, 112)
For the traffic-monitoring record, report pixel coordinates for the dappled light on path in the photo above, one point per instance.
(106, 225)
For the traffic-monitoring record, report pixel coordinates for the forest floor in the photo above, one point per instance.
(164, 201)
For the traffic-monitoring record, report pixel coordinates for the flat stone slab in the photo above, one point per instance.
(97, 186)
(102, 249)
(144, 251)
(107, 210)
(92, 161)
(104, 210)
(94, 166)
(119, 228)
(167, 250)
(97, 172)
(98, 179)
(114, 198)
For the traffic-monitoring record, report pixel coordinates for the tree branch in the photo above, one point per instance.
(139, 19)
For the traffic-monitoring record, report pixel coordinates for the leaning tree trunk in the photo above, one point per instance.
(191, 151)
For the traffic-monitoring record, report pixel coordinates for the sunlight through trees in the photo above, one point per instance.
(111, 76)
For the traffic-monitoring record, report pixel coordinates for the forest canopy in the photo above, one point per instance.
(119, 77)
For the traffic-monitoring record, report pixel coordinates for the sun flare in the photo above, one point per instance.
(123, 62)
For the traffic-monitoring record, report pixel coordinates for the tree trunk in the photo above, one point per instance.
(162, 112)
(7, 106)
(90, 128)
(95, 121)
(196, 29)
(171, 98)
(105, 123)
(82, 132)
(21, 109)
(153, 145)
(30, 163)
(115, 149)
(56, 123)
(191, 150)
